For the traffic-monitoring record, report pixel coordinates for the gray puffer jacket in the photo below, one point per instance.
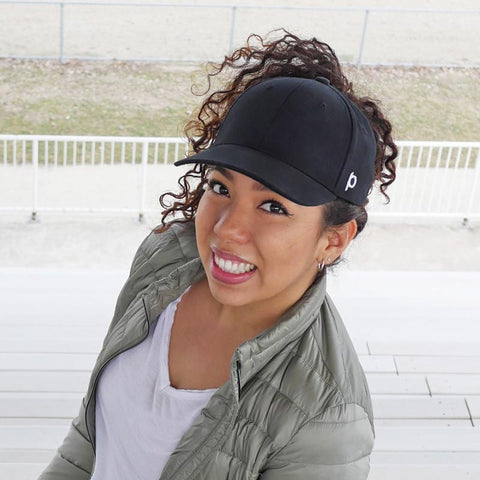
(296, 405)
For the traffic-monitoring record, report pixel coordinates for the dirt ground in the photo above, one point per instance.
(204, 30)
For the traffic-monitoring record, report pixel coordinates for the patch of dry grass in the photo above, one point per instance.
(118, 98)
(427, 103)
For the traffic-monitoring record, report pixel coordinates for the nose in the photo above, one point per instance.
(233, 224)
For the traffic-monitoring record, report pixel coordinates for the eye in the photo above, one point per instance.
(274, 207)
(218, 188)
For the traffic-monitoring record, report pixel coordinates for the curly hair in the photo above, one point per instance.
(289, 56)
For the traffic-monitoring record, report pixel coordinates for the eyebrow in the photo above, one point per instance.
(226, 173)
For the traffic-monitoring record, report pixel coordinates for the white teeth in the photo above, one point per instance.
(233, 267)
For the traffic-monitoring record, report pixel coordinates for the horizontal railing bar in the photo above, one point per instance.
(92, 138)
(434, 143)
(257, 7)
(129, 139)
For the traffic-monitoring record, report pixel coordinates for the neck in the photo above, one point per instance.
(245, 321)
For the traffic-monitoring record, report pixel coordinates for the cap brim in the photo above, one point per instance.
(274, 174)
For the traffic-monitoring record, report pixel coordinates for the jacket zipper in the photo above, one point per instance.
(239, 366)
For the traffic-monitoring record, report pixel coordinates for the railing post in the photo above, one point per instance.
(35, 180)
(232, 27)
(143, 184)
(362, 41)
(476, 180)
(62, 30)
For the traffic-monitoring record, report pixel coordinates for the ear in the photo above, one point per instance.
(336, 240)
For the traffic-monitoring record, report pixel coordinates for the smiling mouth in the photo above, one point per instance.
(230, 266)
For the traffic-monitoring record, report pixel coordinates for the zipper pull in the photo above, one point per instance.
(239, 366)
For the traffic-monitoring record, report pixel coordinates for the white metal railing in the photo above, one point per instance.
(434, 179)
(37, 154)
(73, 150)
(361, 24)
(97, 174)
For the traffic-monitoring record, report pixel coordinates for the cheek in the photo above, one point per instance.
(203, 213)
(204, 223)
(291, 250)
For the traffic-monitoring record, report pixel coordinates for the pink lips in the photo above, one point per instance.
(227, 277)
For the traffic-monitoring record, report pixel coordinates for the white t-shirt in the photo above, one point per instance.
(140, 417)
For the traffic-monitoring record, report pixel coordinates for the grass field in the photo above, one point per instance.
(142, 99)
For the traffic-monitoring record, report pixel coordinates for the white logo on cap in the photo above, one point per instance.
(351, 182)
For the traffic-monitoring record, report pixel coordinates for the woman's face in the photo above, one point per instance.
(258, 248)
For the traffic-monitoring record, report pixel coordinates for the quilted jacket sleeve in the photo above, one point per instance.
(74, 459)
(157, 256)
(334, 446)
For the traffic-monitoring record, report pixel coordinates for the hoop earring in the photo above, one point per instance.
(321, 266)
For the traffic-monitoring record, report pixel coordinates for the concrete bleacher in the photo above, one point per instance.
(425, 381)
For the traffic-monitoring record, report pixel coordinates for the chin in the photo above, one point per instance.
(229, 295)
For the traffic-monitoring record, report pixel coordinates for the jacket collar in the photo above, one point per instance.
(255, 353)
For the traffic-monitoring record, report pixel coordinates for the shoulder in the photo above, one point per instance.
(315, 385)
(321, 369)
(328, 356)
(332, 407)
(160, 250)
(310, 404)
(157, 256)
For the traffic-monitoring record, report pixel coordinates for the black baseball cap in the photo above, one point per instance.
(299, 137)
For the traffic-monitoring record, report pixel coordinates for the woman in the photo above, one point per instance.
(225, 357)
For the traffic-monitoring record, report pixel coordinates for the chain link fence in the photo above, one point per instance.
(189, 32)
